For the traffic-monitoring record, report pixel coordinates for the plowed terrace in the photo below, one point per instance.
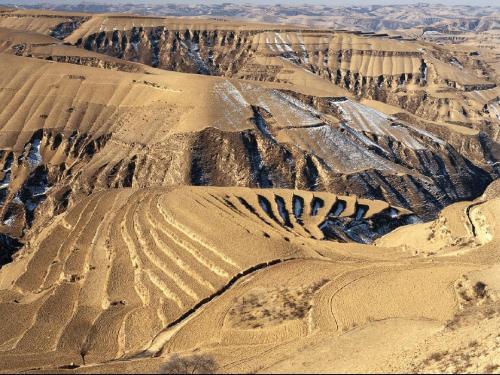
(252, 192)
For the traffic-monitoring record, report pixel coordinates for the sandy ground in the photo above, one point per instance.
(239, 279)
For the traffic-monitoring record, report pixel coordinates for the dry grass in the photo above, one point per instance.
(192, 364)
(491, 368)
(485, 311)
(480, 289)
(271, 307)
(473, 344)
(476, 348)
(435, 357)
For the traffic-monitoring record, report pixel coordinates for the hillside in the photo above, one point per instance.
(245, 197)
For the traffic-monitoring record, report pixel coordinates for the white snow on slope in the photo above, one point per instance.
(269, 45)
(369, 120)
(283, 44)
(236, 103)
(34, 156)
(340, 153)
(495, 107)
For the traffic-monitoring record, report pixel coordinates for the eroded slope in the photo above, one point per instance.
(97, 129)
(124, 264)
(130, 274)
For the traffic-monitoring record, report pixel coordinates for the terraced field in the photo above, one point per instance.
(129, 272)
(122, 265)
(224, 196)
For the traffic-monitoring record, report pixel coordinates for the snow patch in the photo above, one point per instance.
(193, 50)
(282, 210)
(495, 108)
(361, 137)
(339, 206)
(4, 183)
(361, 211)
(9, 221)
(456, 63)
(284, 44)
(277, 44)
(365, 119)
(34, 156)
(393, 213)
(228, 93)
(269, 45)
(30, 205)
(293, 112)
(297, 103)
(262, 126)
(305, 55)
(338, 151)
(298, 207)
(264, 204)
(427, 134)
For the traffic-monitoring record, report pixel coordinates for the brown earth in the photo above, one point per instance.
(244, 197)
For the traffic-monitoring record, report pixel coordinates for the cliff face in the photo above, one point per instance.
(55, 169)
(204, 52)
(426, 81)
(255, 135)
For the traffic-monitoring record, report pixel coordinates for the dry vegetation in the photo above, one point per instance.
(263, 308)
(192, 364)
(468, 352)
(203, 195)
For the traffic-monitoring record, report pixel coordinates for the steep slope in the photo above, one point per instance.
(419, 77)
(249, 195)
(41, 46)
(58, 24)
(89, 133)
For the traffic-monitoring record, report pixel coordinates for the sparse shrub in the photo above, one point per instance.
(490, 368)
(465, 357)
(465, 296)
(274, 306)
(473, 344)
(84, 350)
(192, 364)
(480, 289)
(436, 356)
